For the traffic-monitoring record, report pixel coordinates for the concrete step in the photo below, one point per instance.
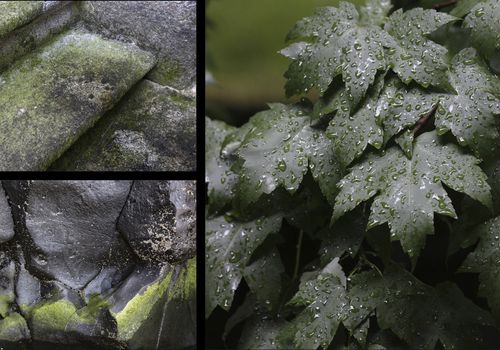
(53, 95)
(153, 128)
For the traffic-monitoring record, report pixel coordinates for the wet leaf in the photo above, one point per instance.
(483, 21)
(336, 41)
(279, 149)
(485, 260)
(408, 192)
(229, 247)
(218, 174)
(352, 132)
(411, 54)
(325, 301)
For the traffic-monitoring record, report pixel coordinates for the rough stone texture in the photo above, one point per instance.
(56, 18)
(154, 129)
(50, 97)
(6, 223)
(166, 27)
(52, 301)
(159, 220)
(14, 14)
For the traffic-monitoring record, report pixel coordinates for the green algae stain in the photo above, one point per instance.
(5, 302)
(166, 73)
(52, 316)
(44, 97)
(14, 14)
(185, 286)
(139, 308)
(14, 328)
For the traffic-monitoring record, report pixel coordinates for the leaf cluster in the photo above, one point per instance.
(319, 212)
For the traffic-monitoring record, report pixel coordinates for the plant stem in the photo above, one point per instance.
(444, 4)
(423, 120)
(297, 255)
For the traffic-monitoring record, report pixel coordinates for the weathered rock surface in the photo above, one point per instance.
(68, 278)
(14, 14)
(159, 220)
(153, 129)
(6, 223)
(50, 97)
(56, 17)
(166, 27)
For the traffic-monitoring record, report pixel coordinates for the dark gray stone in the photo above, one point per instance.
(158, 220)
(6, 223)
(71, 227)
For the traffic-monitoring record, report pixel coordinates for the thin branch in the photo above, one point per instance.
(297, 255)
(423, 120)
(444, 4)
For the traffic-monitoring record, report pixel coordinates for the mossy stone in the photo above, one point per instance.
(53, 95)
(153, 129)
(14, 14)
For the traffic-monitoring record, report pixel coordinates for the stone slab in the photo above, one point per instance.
(167, 27)
(153, 129)
(14, 14)
(53, 95)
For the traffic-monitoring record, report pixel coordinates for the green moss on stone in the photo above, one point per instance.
(13, 328)
(185, 286)
(52, 316)
(166, 72)
(5, 302)
(50, 97)
(139, 308)
(14, 14)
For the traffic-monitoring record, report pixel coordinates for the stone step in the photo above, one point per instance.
(167, 28)
(153, 128)
(51, 96)
(14, 14)
(56, 17)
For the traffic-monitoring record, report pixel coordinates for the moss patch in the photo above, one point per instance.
(185, 286)
(14, 14)
(139, 308)
(52, 96)
(14, 328)
(52, 316)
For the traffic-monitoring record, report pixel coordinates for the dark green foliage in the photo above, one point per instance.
(320, 213)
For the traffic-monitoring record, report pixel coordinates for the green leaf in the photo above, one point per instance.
(261, 333)
(345, 236)
(219, 177)
(338, 42)
(401, 106)
(408, 192)
(463, 7)
(351, 134)
(483, 21)
(229, 246)
(485, 260)
(411, 54)
(419, 314)
(326, 303)
(263, 277)
(375, 11)
(471, 113)
(279, 149)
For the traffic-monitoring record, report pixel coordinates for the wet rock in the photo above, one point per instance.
(53, 95)
(71, 227)
(166, 27)
(158, 220)
(6, 223)
(153, 129)
(105, 298)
